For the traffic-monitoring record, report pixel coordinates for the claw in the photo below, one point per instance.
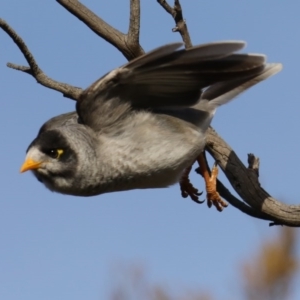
(187, 189)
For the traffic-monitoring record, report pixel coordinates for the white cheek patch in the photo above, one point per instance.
(35, 154)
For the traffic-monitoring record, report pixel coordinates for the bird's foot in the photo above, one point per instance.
(213, 197)
(187, 189)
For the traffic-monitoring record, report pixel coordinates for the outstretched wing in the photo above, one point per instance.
(164, 77)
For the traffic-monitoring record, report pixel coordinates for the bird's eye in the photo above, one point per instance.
(54, 153)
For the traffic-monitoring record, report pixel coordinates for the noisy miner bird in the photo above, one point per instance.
(144, 124)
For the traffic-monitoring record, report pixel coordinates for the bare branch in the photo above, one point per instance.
(167, 7)
(95, 23)
(134, 24)
(126, 44)
(225, 193)
(22, 46)
(235, 202)
(176, 13)
(20, 68)
(181, 25)
(246, 184)
(34, 70)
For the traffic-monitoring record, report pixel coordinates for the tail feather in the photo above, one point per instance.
(223, 92)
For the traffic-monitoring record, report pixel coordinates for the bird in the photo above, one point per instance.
(144, 124)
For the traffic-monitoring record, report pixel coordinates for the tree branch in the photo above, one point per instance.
(235, 202)
(134, 23)
(127, 44)
(245, 183)
(21, 45)
(176, 13)
(166, 7)
(34, 70)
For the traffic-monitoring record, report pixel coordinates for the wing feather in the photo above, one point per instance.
(166, 76)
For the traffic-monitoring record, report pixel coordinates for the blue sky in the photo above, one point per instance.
(63, 247)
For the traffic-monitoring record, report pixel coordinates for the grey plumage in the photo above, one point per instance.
(141, 125)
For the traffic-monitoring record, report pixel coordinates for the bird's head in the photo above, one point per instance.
(52, 159)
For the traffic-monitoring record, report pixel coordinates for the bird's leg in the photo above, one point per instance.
(213, 197)
(187, 188)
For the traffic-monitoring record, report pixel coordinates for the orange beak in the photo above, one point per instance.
(30, 164)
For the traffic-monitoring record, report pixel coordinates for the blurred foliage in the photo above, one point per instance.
(270, 274)
(266, 275)
(132, 283)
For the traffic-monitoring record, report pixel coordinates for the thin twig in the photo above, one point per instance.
(23, 48)
(181, 25)
(20, 68)
(34, 70)
(176, 13)
(166, 7)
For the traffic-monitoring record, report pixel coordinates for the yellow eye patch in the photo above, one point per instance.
(54, 153)
(59, 153)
